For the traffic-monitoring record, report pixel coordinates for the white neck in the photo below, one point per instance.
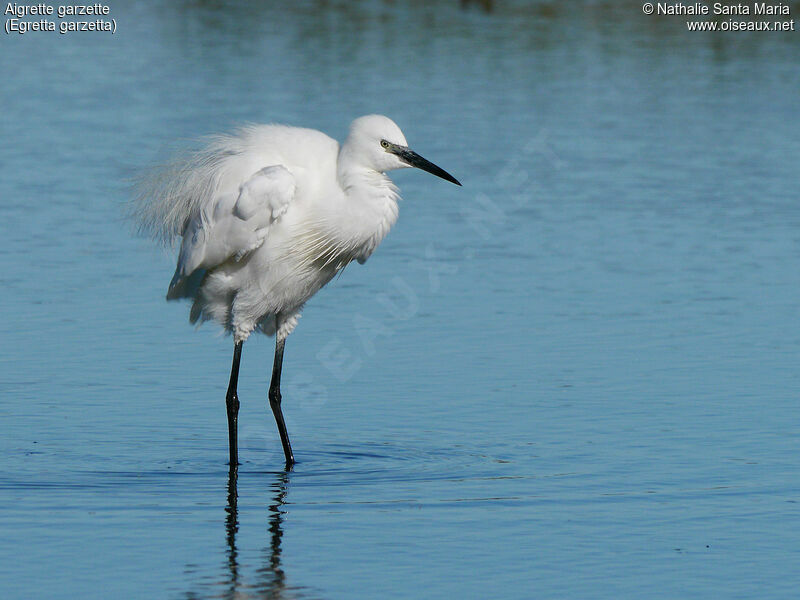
(371, 197)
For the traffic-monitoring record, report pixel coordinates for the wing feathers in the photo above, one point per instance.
(232, 225)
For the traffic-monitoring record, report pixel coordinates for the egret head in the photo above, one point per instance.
(380, 144)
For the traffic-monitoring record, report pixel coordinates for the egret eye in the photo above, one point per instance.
(384, 143)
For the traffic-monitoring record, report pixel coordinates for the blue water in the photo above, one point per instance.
(575, 377)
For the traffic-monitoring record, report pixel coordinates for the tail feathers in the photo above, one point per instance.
(196, 312)
(185, 287)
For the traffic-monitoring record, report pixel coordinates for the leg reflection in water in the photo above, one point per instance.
(270, 580)
(231, 528)
(271, 576)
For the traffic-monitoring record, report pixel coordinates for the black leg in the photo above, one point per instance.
(232, 403)
(275, 400)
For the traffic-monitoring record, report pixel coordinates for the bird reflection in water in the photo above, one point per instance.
(231, 529)
(270, 578)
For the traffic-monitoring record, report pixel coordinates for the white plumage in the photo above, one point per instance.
(232, 225)
(269, 215)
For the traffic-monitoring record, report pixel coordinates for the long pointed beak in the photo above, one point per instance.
(415, 160)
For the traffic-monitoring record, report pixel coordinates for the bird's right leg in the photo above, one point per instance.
(232, 404)
(275, 396)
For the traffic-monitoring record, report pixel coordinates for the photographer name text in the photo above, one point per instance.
(718, 8)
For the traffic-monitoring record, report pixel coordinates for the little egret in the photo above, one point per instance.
(267, 216)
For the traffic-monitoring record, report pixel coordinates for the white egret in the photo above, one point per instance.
(267, 216)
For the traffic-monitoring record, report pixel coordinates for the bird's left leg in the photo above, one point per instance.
(232, 404)
(275, 395)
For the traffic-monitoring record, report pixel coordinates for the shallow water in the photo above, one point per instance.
(576, 376)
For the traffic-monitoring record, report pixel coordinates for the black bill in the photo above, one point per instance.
(415, 160)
